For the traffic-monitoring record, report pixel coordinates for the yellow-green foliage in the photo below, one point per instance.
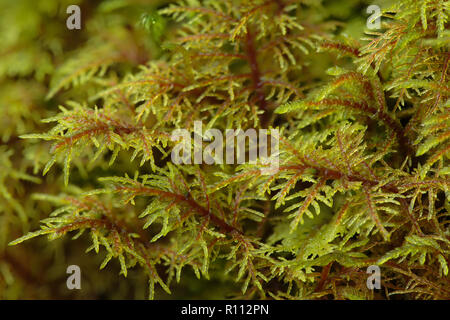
(364, 149)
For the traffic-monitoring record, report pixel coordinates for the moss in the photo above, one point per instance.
(86, 148)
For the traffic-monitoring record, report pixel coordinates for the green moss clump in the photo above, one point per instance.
(363, 177)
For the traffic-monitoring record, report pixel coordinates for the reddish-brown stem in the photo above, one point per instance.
(341, 47)
(323, 277)
(256, 75)
(372, 112)
(222, 224)
(330, 174)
